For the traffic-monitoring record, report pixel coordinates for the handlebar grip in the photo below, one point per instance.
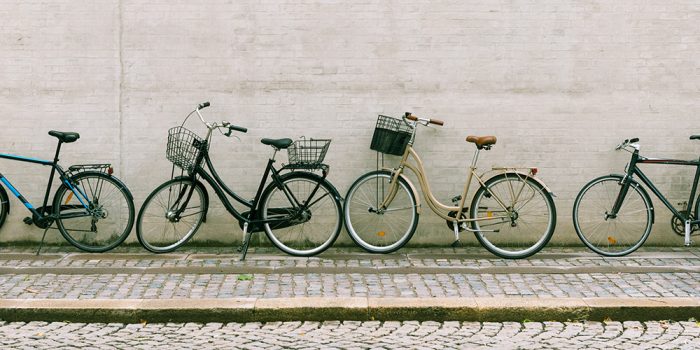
(412, 117)
(636, 139)
(203, 105)
(238, 128)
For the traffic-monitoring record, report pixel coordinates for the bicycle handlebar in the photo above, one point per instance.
(626, 143)
(427, 121)
(223, 124)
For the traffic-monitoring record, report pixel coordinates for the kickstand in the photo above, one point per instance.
(41, 244)
(456, 243)
(246, 242)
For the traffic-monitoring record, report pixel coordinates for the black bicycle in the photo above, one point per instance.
(93, 210)
(299, 211)
(613, 214)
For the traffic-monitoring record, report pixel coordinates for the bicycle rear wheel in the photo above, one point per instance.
(375, 229)
(525, 225)
(606, 235)
(98, 215)
(171, 215)
(300, 232)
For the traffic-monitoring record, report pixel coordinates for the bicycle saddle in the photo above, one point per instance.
(65, 136)
(277, 143)
(482, 141)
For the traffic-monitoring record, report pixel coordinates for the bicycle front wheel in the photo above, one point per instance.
(375, 228)
(599, 230)
(514, 216)
(4, 205)
(171, 215)
(96, 214)
(304, 214)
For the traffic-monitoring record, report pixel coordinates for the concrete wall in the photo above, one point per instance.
(559, 82)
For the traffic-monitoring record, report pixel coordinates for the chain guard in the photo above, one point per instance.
(678, 226)
(453, 214)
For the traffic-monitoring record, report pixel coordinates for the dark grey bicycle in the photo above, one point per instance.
(613, 214)
(299, 211)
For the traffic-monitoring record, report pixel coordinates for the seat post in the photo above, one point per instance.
(58, 150)
(53, 171)
(476, 157)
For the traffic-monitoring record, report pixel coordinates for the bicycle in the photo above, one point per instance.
(613, 214)
(93, 210)
(512, 212)
(299, 211)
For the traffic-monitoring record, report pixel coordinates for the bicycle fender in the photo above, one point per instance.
(5, 199)
(410, 185)
(204, 190)
(641, 188)
(283, 177)
(415, 192)
(524, 174)
(116, 179)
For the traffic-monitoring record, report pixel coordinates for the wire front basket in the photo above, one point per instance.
(391, 135)
(183, 147)
(308, 153)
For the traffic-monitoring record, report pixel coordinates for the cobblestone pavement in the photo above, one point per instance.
(354, 335)
(343, 258)
(413, 273)
(169, 286)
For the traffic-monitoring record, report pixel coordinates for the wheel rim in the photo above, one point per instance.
(160, 229)
(611, 236)
(95, 231)
(371, 227)
(526, 225)
(316, 228)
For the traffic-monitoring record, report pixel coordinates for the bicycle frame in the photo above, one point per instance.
(633, 169)
(222, 190)
(435, 205)
(41, 212)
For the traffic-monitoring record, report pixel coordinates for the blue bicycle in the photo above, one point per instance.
(93, 210)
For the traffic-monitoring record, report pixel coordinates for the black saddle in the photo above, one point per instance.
(278, 143)
(65, 136)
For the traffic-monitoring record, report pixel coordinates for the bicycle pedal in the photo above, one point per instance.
(28, 220)
(456, 244)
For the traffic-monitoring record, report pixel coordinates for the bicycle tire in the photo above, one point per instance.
(374, 230)
(4, 205)
(110, 207)
(527, 225)
(604, 235)
(159, 227)
(319, 225)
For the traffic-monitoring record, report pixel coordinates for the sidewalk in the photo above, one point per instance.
(466, 284)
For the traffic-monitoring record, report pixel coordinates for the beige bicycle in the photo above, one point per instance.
(512, 212)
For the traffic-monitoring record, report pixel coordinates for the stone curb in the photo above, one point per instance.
(350, 308)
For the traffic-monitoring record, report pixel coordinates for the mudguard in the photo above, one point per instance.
(204, 190)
